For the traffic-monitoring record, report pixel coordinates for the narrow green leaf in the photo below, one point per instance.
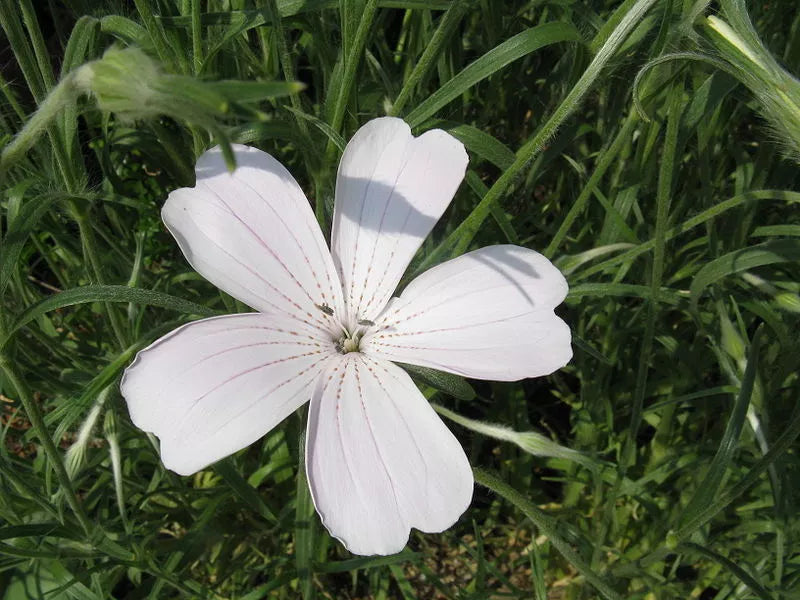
(244, 490)
(707, 491)
(254, 91)
(80, 41)
(332, 136)
(548, 527)
(615, 290)
(483, 144)
(20, 229)
(367, 562)
(512, 49)
(743, 576)
(106, 293)
(768, 253)
(453, 385)
(126, 30)
(448, 26)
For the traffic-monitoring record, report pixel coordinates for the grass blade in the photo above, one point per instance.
(512, 49)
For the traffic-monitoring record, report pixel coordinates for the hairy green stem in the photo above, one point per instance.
(52, 106)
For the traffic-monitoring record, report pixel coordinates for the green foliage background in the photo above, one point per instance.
(649, 151)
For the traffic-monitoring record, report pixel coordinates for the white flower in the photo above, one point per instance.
(379, 460)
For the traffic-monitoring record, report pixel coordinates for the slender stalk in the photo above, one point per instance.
(286, 61)
(197, 38)
(664, 192)
(39, 123)
(663, 197)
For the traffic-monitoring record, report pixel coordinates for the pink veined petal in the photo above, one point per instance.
(487, 314)
(391, 190)
(379, 460)
(214, 386)
(252, 233)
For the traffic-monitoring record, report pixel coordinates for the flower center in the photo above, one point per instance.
(348, 342)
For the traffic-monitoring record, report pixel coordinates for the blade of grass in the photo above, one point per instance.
(709, 488)
(105, 293)
(548, 527)
(495, 59)
(460, 239)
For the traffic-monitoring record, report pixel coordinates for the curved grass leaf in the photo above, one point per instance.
(498, 57)
(106, 293)
(787, 196)
(80, 41)
(334, 137)
(126, 30)
(19, 230)
(707, 490)
(743, 576)
(760, 255)
(483, 144)
(548, 527)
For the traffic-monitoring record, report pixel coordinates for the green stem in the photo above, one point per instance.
(664, 191)
(287, 67)
(39, 123)
(286, 62)
(663, 196)
(197, 38)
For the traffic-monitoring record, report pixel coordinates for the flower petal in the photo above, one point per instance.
(252, 233)
(379, 459)
(214, 386)
(487, 314)
(390, 191)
